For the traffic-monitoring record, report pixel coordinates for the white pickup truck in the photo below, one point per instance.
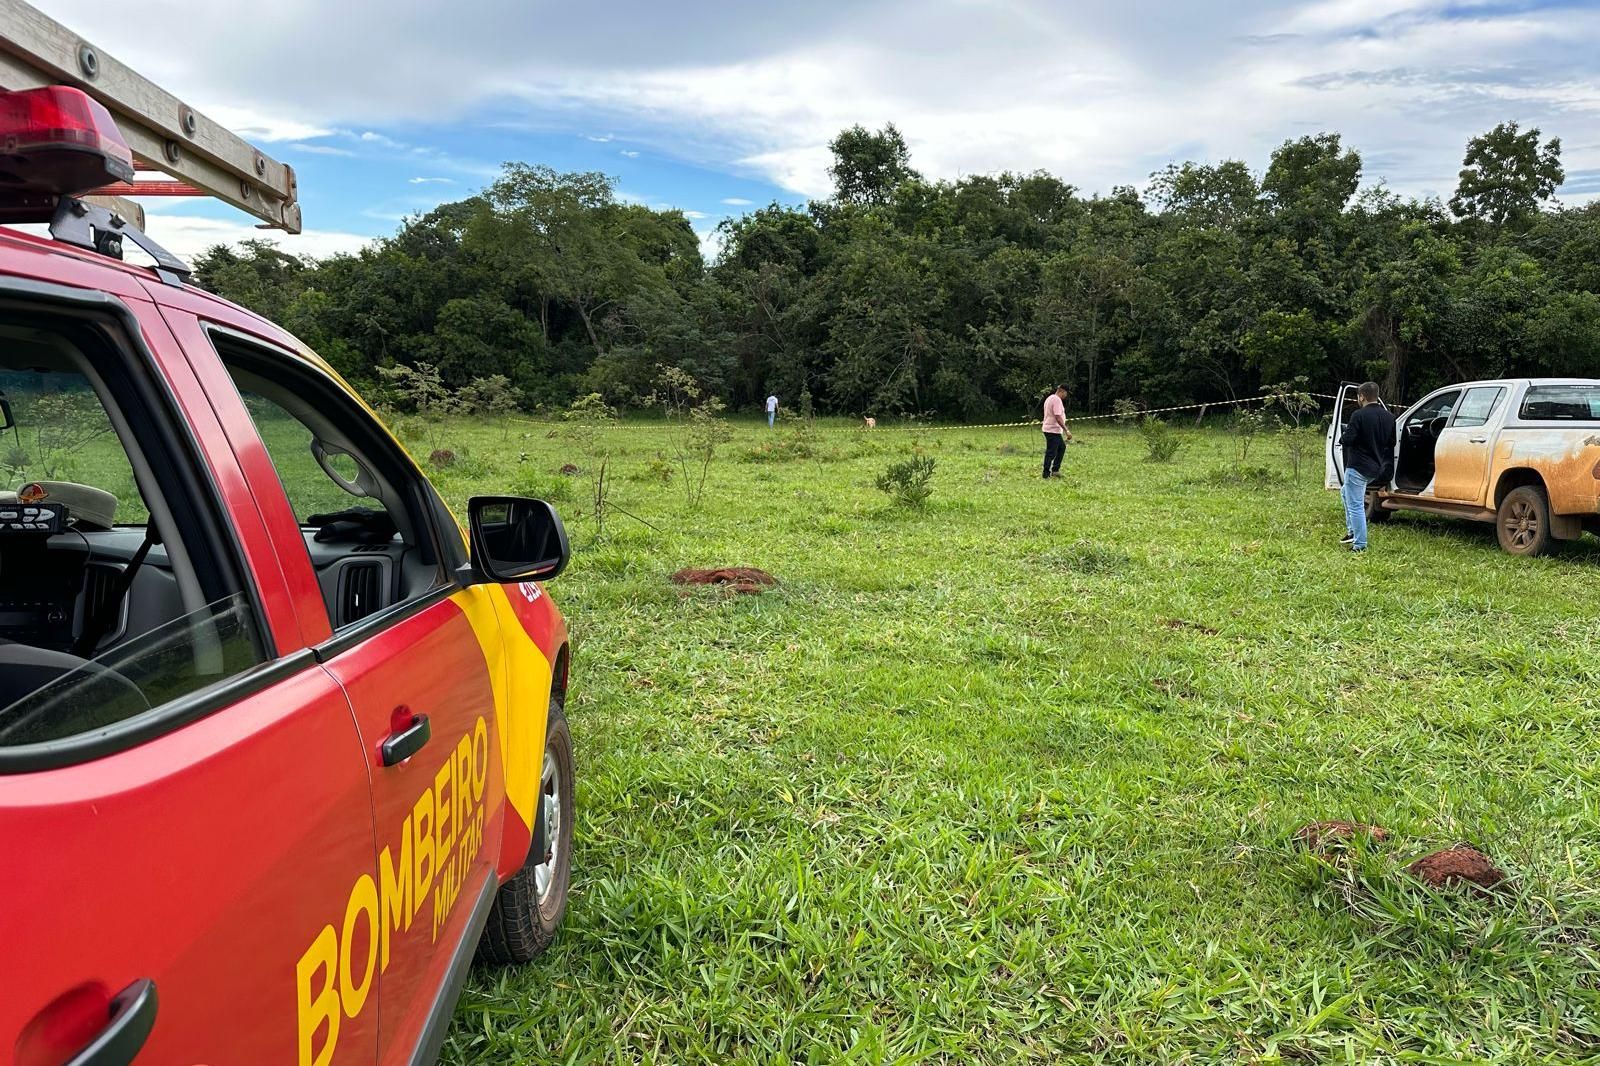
(1521, 453)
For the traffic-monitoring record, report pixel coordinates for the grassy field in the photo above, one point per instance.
(1015, 777)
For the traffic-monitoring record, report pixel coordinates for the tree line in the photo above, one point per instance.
(900, 295)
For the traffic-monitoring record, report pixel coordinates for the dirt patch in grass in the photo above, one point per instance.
(1455, 866)
(1327, 837)
(742, 579)
(569, 469)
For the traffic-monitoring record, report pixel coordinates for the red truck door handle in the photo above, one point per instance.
(133, 1015)
(411, 731)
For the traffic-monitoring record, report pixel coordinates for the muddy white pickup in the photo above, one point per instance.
(1521, 453)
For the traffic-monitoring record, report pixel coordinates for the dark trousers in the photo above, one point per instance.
(1054, 448)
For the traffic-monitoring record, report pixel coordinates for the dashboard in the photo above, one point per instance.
(50, 586)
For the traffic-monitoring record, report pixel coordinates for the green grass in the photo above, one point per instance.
(1014, 777)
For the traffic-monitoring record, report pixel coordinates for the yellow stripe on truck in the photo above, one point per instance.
(520, 676)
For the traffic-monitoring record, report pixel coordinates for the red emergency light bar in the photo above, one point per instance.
(57, 141)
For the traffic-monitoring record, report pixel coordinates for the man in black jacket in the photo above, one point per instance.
(1368, 445)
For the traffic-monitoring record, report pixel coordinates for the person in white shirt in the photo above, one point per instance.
(772, 410)
(1056, 433)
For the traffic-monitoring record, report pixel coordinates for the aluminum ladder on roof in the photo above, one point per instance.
(164, 133)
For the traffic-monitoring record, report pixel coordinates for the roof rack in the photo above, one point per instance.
(164, 133)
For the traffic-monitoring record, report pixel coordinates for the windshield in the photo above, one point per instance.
(1561, 403)
(175, 658)
(60, 434)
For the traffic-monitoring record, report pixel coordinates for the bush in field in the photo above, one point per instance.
(60, 424)
(590, 417)
(695, 427)
(421, 389)
(1298, 437)
(908, 483)
(1249, 424)
(657, 469)
(493, 397)
(1161, 441)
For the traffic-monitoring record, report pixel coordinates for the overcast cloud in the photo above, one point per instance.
(1101, 93)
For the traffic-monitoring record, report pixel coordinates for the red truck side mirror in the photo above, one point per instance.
(516, 539)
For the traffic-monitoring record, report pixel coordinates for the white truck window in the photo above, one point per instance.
(1479, 405)
(1561, 403)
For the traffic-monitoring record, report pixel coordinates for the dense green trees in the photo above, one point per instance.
(966, 299)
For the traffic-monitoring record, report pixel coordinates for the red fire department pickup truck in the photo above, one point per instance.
(281, 747)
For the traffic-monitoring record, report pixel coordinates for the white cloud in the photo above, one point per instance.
(695, 214)
(1101, 92)
(380, 139)
(737, 201)
(255, 125)
(710, 243)
(432, 181)
(630, 155)
(320, 149)
(186, 236)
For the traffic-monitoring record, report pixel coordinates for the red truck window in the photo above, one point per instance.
(115, 598)
(366, 515)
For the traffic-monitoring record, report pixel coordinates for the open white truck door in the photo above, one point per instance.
(1333, 454)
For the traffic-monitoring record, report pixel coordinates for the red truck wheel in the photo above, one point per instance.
(528, 908)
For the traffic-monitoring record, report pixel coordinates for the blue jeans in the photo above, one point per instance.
(772, 416)
(1355, 506)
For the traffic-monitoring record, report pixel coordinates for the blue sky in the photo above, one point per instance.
(715, 106)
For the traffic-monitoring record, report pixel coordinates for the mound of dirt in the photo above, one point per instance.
(742, 579)
(1458, 865)
(1323, 837)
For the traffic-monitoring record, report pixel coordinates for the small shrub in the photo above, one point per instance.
(657, 469)
(695, 427)
(909, 483)
(442, 458)
(421, 390)
(1249, 424)
(493, 397)
(1299, 439)
(1161, 441)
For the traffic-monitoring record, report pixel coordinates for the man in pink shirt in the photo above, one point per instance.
(1056, 433)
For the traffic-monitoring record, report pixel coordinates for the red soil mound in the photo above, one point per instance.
(1457, 865)
(1330, 836)
(744, 579)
